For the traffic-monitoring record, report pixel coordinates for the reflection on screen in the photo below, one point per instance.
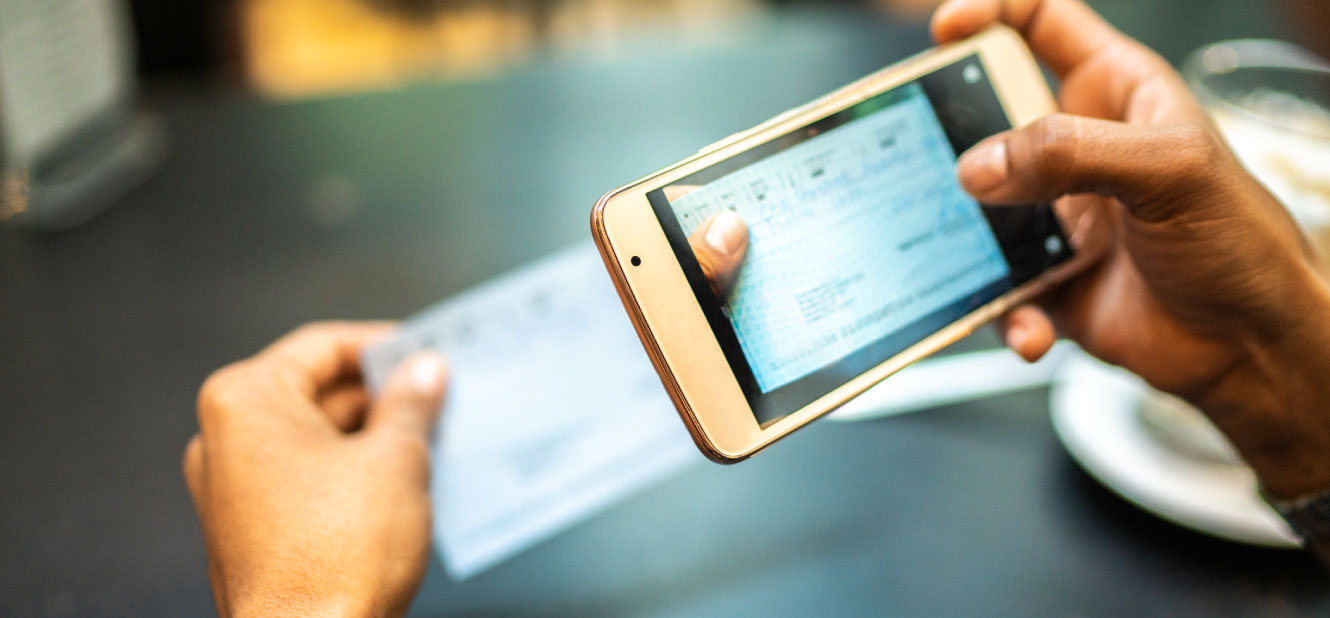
(853, 234)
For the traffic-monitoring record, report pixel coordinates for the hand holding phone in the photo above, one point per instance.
(859, 254)
(1207, 289)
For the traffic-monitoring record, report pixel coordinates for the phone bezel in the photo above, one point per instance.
(666, 313)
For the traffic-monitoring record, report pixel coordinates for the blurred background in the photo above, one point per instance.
(295, 48)
(224, 170)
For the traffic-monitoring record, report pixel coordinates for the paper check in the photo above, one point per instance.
(553, 410)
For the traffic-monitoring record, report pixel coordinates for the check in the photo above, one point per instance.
(553, 411)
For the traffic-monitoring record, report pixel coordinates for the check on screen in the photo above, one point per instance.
(853, 234)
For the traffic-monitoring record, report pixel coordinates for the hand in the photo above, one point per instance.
(1208, 289)
(314, 500)
(719, 244)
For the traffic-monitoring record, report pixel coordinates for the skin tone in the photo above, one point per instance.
(1208, 289)
(313, 499)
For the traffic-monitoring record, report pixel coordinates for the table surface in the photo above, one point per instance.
(266, 215)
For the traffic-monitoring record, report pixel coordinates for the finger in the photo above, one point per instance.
(720, 245)
(412, 399)
(318, 354)
(345, 404)
(674, 192)
(193, 468)
(1079, 46)
(1063, 33)
(1028, 331)
(1154, 170)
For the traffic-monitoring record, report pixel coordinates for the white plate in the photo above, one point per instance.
(932, 382)
(1095, 413)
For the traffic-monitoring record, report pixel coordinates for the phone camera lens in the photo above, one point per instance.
(971, 74)
(1053, 244)
(637, 261)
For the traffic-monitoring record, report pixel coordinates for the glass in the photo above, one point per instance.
(1271, 100)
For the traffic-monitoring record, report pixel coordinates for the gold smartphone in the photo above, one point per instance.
(864, 253)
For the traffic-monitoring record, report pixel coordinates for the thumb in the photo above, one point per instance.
(1155, 171)
(413, 397)
(719, 246)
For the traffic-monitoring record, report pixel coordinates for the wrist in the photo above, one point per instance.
(1274, 404)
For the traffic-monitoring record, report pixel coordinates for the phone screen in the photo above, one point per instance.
(861, 240)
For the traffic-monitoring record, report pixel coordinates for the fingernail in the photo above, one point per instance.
(427, 372)
(984, 167)
(726, 234)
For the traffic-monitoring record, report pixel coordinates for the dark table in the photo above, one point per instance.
(266, 215)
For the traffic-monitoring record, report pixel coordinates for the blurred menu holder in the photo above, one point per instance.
(71, 143)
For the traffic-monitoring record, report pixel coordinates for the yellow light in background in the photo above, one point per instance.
(607, 27)
(302, 47)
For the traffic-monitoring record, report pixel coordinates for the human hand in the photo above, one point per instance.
(313, 500)
(1208, 289)
(719, 244)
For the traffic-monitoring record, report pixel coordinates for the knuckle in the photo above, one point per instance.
(1195, 150)
(215, 386)
(221, 392)
(312, 337)
(1050, 145)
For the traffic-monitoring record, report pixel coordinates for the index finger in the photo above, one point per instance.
(316, 355)
(1104, 72)
(1062, 33)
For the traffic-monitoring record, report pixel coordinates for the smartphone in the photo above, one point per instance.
(864, 252)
